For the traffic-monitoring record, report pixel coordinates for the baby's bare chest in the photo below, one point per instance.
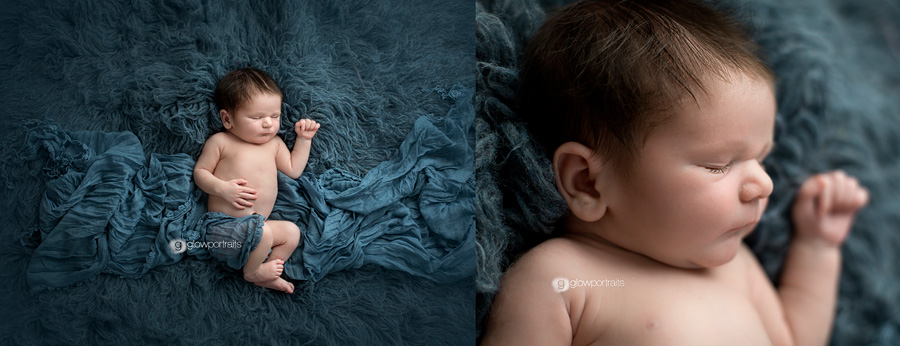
(254, 163)
(673, 310)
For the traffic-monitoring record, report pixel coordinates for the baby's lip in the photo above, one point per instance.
(750, 224)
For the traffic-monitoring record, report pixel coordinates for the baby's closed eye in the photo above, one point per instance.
(718, 169)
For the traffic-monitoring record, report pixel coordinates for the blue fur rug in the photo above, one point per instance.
(365, 70)
(838, 65)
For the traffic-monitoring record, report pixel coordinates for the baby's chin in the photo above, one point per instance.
(261, 139)
(716, 256)
(711, 257)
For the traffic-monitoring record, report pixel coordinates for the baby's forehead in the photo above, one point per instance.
(257, 98)
(261, 94)
(724, 92)
(727, 107)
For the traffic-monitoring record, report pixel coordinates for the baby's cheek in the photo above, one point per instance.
(711, 210)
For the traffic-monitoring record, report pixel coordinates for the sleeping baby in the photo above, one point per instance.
(238, 169)
(658, 116)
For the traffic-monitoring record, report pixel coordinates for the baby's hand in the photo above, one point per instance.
(826, 205)
(306, 128)
(239, 194)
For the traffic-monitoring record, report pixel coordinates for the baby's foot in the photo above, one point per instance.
(277, 284)
(266, 272)
(826, 205)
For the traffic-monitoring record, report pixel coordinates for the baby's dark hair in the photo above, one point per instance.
(603, 72)
(238, 86)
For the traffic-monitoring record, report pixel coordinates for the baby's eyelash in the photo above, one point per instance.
(718, 170)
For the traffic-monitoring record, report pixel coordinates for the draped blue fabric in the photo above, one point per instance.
(109, 208)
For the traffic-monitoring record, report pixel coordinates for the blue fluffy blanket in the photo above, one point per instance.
(838, 108)
(104, 106)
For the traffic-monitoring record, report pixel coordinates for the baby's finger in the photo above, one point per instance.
(837, 188)
(856, 195)
(825, 197)
(848, 195)
(862, 196)
(807, 196)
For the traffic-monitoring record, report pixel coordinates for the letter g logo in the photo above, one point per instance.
(560, 285)
(177, 246)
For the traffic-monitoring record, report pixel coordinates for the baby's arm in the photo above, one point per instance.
(234, 190)
(823, 214)
(293, 162)
(527, 310)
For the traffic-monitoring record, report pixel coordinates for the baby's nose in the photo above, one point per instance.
(757, 185)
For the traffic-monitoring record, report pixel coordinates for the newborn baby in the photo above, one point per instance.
(658, 117)
(238, 169)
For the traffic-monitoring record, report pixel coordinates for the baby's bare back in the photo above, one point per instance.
(621, 298)
(254, 163)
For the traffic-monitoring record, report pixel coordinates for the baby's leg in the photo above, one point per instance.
(285, 237)
(256, 270)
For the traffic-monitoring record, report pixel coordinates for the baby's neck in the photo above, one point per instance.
(239, 139)
(592, 235)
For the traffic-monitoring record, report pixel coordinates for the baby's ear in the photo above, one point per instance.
(226, 119)
(578, 174)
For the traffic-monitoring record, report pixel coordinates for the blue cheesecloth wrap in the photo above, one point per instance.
(227, 238)
(108, 208)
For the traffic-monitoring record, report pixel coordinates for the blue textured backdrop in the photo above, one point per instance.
(838, 65)
(365, 70)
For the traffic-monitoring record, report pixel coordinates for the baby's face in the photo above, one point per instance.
(699, 186)
(258, 120)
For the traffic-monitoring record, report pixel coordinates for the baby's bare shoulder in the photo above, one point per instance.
(537, 304)
(549, 259)
(527, 309)
(564, 259)
(219, 139)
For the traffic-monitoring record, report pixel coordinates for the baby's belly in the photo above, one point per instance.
(263, 205)
(266, 193)
(698, 323)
